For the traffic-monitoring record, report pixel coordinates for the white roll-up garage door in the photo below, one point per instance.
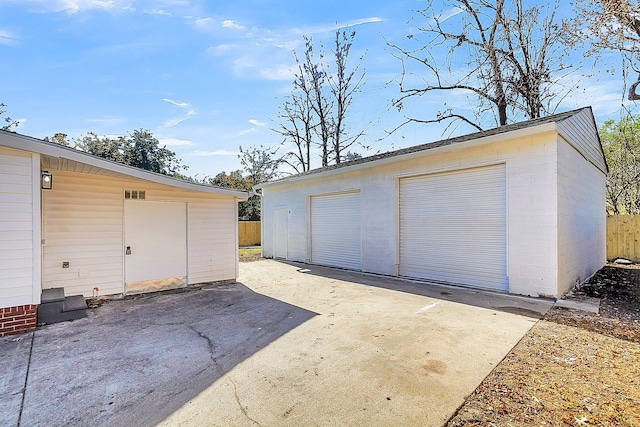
(335, 230)
(453, 227)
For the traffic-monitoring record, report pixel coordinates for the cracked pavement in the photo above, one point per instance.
(286, 345)
(135, 361)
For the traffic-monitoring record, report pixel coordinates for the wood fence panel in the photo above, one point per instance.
(249, 233)
(623, 237)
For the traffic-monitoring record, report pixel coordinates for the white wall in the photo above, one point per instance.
(532, 200)
(581, 217)
(83, 224)
(20, 228)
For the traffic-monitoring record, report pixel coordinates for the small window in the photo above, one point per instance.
(134, 194)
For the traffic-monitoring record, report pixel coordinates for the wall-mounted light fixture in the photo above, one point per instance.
(46, 180)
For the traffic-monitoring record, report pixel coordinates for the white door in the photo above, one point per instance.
(155, 236)
(453, 227)
(335, 230)
(280, 233)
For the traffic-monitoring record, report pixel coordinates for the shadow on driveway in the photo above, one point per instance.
(135, 361)
(514, 304)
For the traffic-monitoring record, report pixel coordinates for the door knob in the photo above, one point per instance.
(128, 251)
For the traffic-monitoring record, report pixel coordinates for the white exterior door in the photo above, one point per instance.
(335, 230)
(453, 227)
(280, 233)
(155, 236)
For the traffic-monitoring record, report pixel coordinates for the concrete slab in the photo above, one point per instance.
(14, 359)
(136, 361)
(379, 353)
(288, 345)
(590, 304)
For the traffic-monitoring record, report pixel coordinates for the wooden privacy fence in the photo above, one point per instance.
(623, 237)
(249, 233)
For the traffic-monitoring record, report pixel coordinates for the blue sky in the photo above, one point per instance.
(206, 77)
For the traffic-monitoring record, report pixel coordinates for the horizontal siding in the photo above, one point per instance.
(84, 225)
(16, 228)
(580, 131)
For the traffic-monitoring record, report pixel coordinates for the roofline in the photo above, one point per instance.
(472, 142)
(28, 143)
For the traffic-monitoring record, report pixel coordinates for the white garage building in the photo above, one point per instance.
(518, 209)
(103, 228)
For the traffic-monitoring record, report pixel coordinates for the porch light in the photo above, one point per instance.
(47, 180)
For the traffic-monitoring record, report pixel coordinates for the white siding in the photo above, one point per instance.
(83, 224)
(532, 200)
(580, 131)
(19, 228)
(581, 218)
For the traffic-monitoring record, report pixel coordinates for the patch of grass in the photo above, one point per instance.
(249, 252)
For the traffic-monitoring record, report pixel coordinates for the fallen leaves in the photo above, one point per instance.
(574, 368)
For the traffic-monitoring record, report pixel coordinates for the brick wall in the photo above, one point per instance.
(18, 319)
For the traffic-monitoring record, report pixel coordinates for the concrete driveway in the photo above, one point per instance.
(287, 345)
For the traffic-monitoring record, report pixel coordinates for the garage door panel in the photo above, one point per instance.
(335, 230)
(453, 227)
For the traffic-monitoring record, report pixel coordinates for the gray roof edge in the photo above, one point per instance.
(534, 125)
(27, 143)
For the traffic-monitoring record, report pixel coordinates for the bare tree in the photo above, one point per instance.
(512, 61)
(314, 116)
(612, 25)
(344, 84)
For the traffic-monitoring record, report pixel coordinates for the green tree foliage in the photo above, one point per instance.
(621, 144)
(7, 122)
(259, 165)
(139, 149)
(59, 138)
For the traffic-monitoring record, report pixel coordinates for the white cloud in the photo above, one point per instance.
(230, 23)
(279, 73)
(177, 120)
(203, 23)
(256, 122)
(246, 131)
(331, 28)
(220, 152)
(263, 52)
(176, 103)
(108, 121)
(157, 12)
(449, 14)
(75, 6)
(174, 142)
(221, 49)
(7, 38)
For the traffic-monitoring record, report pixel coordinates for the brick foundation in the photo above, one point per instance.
(18, 319)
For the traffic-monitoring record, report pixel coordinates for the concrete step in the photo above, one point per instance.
(52, 295)
(70, 308)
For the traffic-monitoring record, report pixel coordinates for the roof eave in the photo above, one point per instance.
(542, 128)
(26, 143)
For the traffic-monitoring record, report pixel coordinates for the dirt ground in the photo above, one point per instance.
(573, 368)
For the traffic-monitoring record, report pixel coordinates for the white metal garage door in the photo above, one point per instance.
(335, 230)
(453, 227)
